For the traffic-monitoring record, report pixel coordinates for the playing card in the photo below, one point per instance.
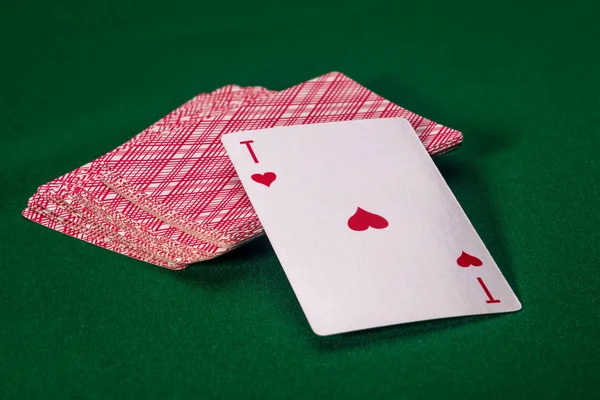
(367, 230)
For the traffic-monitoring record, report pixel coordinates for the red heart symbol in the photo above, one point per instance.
(362, 220)
(266, 179)
(465, 260)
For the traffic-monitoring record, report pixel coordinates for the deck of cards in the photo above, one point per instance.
(340, 180)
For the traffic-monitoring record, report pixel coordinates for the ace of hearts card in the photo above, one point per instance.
(365, 227)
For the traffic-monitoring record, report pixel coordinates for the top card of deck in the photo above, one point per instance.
(365, 227)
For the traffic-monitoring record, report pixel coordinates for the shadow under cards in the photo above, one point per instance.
(238, 264)
(391, 333)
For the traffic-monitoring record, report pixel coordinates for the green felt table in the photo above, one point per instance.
(521, 79)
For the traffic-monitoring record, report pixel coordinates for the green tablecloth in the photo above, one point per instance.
(521, 79)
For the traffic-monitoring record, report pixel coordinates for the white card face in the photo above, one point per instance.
(365, 227)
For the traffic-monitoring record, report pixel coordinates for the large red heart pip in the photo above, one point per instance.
(266, 179)
(466, 260)
(363, 220)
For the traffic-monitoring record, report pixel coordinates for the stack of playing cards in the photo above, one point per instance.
(170, 196)
(365, 227)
